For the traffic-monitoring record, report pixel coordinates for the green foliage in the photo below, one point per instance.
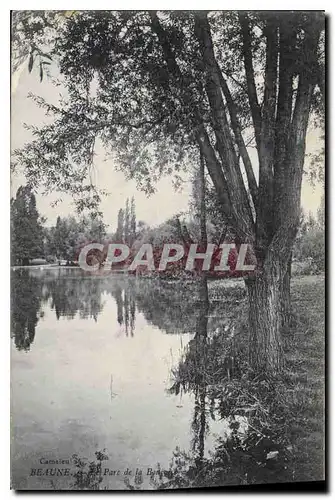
(312, 247)
(30, 240)
(132, 113)
(316, 167)
(126, 224)
(32, 34)
(132, 221)
(26, 227)
(310, 244)
(69, 235)
(120, 226)
(166, 232)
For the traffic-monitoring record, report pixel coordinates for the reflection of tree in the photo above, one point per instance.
(117, 294)
(246, 452)
(130, 311)
(68, 293)
(26, 295)
(126, 309)
(173, 305)
(168, 305)
(71, 295)
(199, 352)
(132, 316)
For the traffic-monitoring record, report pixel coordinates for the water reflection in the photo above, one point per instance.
(93, 387)
(170, 306)
(199, 352)
(245, 451)
(67, 295)
(26, 298)
(71, 296)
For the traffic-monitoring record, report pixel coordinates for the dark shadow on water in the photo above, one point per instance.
(173, 307)
(26, 298)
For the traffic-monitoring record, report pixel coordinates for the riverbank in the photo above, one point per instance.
(284, 415)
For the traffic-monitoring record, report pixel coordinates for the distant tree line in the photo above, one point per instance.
(69, 235)
(26, 227)
(310, 244)
(31, 239)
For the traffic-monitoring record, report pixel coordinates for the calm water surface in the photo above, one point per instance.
(91, 365)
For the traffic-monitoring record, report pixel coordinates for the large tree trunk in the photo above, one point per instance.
(270, 303)
(265, 320)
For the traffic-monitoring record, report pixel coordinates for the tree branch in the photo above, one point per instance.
(287, 58)
(220, 184)
(238, 219)
(239, 138)
(250, 76)
(225, 145)
(168, 52)
(288, 208)
(266, 146)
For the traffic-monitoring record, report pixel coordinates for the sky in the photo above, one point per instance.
(154, 209)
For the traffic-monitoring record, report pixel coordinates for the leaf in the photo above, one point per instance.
(272, 454)
(41, 72)
(31, 62)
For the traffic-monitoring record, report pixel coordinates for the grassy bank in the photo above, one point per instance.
(305, 372)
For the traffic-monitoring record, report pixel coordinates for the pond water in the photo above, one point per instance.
(90, 370)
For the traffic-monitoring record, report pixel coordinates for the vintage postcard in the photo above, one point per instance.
(167, 249)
